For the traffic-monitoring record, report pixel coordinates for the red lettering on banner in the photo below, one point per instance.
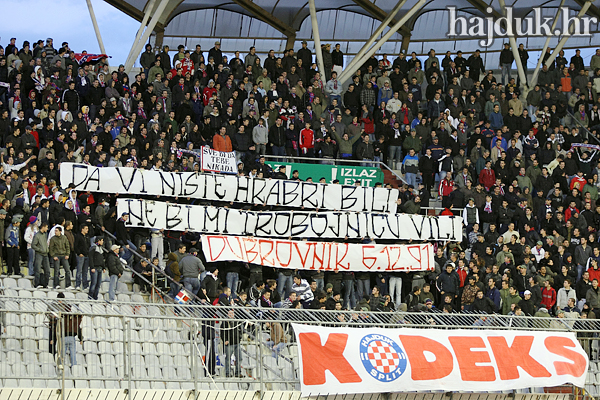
(303, 259)
(421, 368)
(364, 258)
(250, 252)
(263, 256)
(338, 260)
(508, 358)
(241, 247)
(558, 345)
(391, 266)
(317, 358)
(211, 239)
(419, 255)
(319, 246)
(467, 359)
(277, 251)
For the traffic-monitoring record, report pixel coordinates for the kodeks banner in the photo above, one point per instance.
(326, 256)
(375, 360)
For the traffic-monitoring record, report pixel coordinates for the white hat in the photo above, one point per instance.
(527, 292)
(114, 247)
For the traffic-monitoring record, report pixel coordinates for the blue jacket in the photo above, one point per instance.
(496, 120)
(12, 235)
(494, 295)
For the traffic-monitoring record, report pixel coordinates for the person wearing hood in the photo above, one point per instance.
(172, 270)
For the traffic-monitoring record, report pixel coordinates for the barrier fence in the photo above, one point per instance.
(76, 344)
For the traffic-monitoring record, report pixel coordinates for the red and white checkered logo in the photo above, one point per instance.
(383, 357)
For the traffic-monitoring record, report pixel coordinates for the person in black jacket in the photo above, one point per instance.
(482, 304)
(96, 263)
(231, 334)
(209, 285)
(277, 138)
(527, 305)
(448, 281)
(115, 270)
(81, 247)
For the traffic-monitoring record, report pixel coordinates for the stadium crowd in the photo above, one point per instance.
(500, 159)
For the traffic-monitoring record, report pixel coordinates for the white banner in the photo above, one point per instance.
(286, 224)
(228, 188)
(218, 161)
(377, 360)
(318, 255)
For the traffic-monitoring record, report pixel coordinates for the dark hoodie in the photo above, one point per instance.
(172, 268)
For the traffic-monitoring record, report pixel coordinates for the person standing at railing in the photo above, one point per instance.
(191, 267)
(115, 270)
(231, 333)
(39, 245)
(59, 249)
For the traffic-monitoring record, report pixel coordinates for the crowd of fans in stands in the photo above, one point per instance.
(502, 158)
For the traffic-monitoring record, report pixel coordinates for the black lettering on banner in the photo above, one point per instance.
(180, 176)
(76, 166)
(164, 182)
(373, 218)
(255, 194)
(356, 227)
(241, 188)
(352, 190)
(204, 184)
(274, 191)
(219, 184)
(208, 218)
(314, 186)
(313, 225)
(384, 206)
(337, 216)
(263, 220)
(226, 218)
(419, 230)
(148, 208)
(394, 222)
(452, 228)
(245, 232)
(189, 217)
(277, 217)
(127, 186)
(192, 185)
(176, 218)
(431, 235)
(295, 185)
(364, 190)
(323, 196)
(302, 224)
(132, 213)
(94, 176)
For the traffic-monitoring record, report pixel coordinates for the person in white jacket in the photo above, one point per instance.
(32, 229)
(564, 294)
(393, 105)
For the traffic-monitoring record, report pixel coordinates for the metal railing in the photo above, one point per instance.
(334, 161)
(159, 346)
(586, 131)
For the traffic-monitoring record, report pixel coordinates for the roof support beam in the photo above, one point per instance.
(381, 15)
(513, 45)
(571, 27)
(266, 17)
(96, 28)
(149, 8)
(536, 71)
(347, 73)
(316, 37)
(592, 11)
(352, 65)
(137, 47)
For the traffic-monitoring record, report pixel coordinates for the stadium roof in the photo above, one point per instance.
(280, 24)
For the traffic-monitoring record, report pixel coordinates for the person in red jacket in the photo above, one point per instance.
(548, 295)
(487, 176)
(446, 187)
(208, 92)
(578, 182)
(572, 209)
(307, 141)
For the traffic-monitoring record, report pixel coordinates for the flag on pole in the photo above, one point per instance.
(83, 58)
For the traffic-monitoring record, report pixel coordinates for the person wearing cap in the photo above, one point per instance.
(216, 53)
(30, 231)
(115, 270)
(97, 265)
(191, 266)
(59, 249)
(526, 304)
